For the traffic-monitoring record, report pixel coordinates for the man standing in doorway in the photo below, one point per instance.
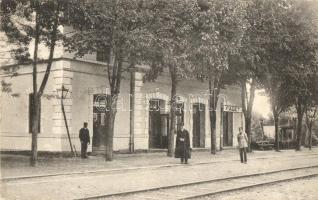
(242, 142)
(85, 139)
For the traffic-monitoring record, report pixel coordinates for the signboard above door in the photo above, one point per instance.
(231, 108)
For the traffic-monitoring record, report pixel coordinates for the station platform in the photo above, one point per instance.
(17, 166)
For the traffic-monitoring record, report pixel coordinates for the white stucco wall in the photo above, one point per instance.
(83, 80)
(90, 79)
(14, 124)
(194, 91)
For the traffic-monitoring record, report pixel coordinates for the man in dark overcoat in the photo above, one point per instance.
(85, 139)
(183, 145)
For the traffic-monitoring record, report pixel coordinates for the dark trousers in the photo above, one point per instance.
(184, 156)
(84, 150)
(243, 155)
(184, 159)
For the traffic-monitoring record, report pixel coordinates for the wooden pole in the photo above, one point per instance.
(65, 121)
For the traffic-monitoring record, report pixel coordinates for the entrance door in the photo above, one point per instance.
(198, 126)
(164, 129)
(227, 129)
(99, 122)
(158, 125)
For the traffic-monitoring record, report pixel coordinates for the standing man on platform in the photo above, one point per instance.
(242, 143)
(183, 145)
(85, 139)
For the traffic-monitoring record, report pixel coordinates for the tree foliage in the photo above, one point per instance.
(218, 28)
(27, 24)
(170, 28)
(261, 43)
(117, 29)
(296, 45)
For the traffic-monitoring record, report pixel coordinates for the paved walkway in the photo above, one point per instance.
(147, 171)
(18, 166)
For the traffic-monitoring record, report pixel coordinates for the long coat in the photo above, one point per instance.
(242, 140)
(182, 144)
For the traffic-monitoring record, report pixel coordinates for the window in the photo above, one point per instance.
(31, 111)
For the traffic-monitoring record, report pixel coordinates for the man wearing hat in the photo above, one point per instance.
(85, 139)
(183, 145)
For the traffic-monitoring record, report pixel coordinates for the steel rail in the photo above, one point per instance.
(127, 193)
(249, 187)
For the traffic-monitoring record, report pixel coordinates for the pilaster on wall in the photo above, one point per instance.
(139, 112)
(62, 77)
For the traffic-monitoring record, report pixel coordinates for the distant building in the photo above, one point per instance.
(286, 134)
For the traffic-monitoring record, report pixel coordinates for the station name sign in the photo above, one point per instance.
(231, 108)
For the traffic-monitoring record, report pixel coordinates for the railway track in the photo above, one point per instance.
(132, 169)
(211, 187)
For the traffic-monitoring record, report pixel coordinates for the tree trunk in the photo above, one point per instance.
(115, 82)
(110, 117)
(212, 112)
(214, 90)
(298, 133)
(310, 137)
(248, 128)
(173, 75)
(35, 130)
(35, 113)
(213, 131)
(37, 94)
(51, 54)
(276, 123)
(247, 107)
(132, 111)
(300, 113)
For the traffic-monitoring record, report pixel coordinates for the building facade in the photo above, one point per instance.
(87, 85)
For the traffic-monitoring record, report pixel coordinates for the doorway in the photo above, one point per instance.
(158, 125)
(99, 122)
(227, 129)
(198, 125)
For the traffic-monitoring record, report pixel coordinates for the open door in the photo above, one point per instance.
(227, 129)
(198, 126)
(158, 125)
(164, 128)
(99, 122)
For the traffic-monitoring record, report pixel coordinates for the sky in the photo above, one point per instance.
(261, 104)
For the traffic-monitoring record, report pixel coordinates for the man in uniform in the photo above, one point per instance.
(85, 139)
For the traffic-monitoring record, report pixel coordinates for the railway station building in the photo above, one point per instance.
(86, 84)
